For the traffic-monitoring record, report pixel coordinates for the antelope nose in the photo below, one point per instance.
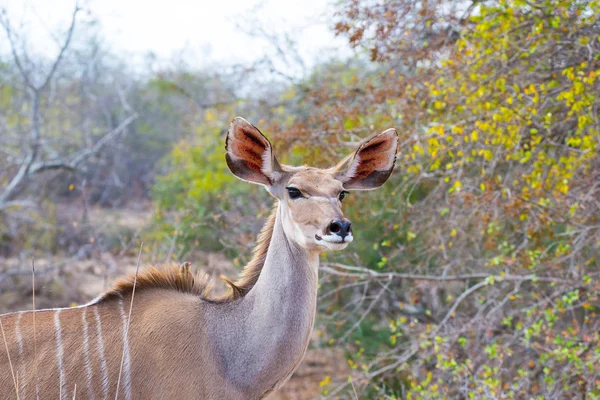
(340, 227)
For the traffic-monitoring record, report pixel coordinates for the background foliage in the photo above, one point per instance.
(476, 271)
(483, 278)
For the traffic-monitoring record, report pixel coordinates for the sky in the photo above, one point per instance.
(221, 31)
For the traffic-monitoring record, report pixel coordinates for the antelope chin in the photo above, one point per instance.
(334, 242)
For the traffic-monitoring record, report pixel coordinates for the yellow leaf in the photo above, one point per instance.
(325, 381)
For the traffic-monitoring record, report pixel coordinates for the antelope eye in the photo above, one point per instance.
(342, 195)
(294, 193)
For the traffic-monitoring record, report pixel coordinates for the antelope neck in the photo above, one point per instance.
(263, 336)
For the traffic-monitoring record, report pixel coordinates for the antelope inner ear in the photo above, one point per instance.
(250, 154)
(371, 164)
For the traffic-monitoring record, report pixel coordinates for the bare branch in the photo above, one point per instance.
(62, 49)
(366, 312)
(76, 158)
(13, 48)
(16, 204)
(457, 303)
(71, 162)
(27, 167)
(14, 183)
(365, 273)
(5, 22)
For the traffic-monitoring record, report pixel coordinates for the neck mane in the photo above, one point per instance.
(181, 279)
(251, 272)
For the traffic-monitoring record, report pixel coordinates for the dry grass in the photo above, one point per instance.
(12, 372)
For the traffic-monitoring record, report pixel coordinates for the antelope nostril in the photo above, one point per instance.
(340, 227)
(335, 227)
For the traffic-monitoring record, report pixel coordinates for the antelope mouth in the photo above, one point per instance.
(334, 240)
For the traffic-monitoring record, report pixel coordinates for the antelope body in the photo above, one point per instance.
(182, 343)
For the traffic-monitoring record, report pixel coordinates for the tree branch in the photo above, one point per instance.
(4, 21)
(76, 158)
(13, 48)
(27, 167)
(30, 168)
(365, 273)
(62, 49)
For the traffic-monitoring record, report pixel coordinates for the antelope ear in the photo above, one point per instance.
(371, 164)
(250, 154)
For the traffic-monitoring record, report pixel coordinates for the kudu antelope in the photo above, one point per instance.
(182, 343)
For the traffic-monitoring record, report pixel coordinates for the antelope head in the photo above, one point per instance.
(311, 198)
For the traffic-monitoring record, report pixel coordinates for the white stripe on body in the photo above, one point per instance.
(59, 352)
(101, 355)
(126, 365)
(86, 354)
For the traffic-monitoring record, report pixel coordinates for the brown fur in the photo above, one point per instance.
(161, 277)
(158, 367)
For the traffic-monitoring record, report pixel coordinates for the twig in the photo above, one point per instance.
(6, 24)
(410, 352)
(415, 348)
(25, 75)
(367, 311)
(459, 300)
(78, 157)
(353, 388)
(137, 269)
(62, 49)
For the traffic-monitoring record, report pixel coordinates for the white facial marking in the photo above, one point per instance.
(334, 242)
(324, 198)
(338, 239)
(103, 368)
